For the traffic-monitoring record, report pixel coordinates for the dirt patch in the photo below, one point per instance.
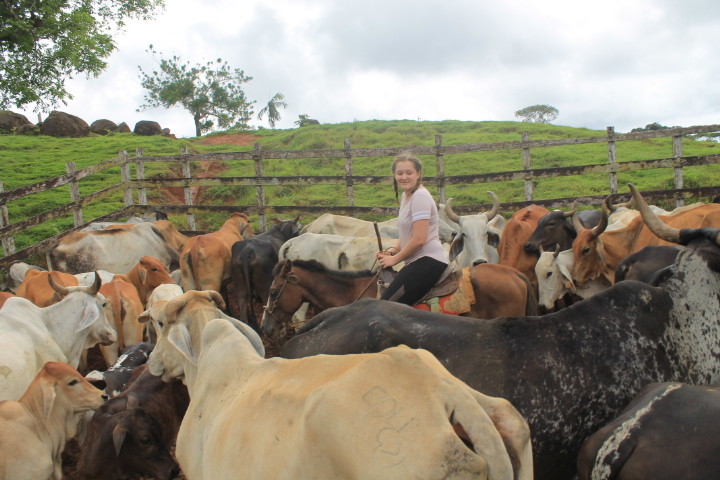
(231, 139)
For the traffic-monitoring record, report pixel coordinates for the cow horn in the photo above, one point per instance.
(557, 250)
(657, 226)
(573, 209)
(215, 297)
(577, 225)
(600, 227)
(449, 211)
(495, 208)
(56, 286)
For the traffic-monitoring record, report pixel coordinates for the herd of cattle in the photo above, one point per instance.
(591, 351)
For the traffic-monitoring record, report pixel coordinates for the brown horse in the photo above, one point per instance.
(499, 291)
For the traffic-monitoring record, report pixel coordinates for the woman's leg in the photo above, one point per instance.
(414, 281)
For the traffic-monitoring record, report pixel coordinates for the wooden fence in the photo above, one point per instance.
(528, 175)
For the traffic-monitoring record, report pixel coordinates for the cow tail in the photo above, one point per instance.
(119, 314)
(188, 258)
(531, 305)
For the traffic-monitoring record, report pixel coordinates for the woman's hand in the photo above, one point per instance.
(386, 260)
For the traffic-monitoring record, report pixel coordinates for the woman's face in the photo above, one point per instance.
(406, 175)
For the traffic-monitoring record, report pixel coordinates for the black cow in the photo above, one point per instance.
(644, 264)
(669, 431)
(252, 264)
(114, 379)
(155, 411)
(556, 228)
(568, 372)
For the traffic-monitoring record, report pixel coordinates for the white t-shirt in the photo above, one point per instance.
(420, 206)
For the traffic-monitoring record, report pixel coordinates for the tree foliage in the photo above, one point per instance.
(271, 109)
(538, 114)
(210, 91)
(650, 126)
(43, 43)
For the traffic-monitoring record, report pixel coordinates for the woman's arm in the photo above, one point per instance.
(418, 239)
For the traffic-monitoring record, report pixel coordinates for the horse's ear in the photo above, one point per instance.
(286, 267)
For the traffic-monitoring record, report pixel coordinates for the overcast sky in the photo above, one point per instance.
(613, 63)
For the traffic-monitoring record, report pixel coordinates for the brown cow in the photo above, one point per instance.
(122, 308)
(517, 231)
(146, 275)
(205, 259)
(4, 296)
(34, 429)
(37, 289)
(129, 435)
(171, 234)
(598, 251)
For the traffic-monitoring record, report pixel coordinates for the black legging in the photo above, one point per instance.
(414, 280)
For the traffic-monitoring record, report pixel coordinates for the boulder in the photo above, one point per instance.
(123, 128)
(147, 127)
(61, 124)
(11, 122)
(103, 126)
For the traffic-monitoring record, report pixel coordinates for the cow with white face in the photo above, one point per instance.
(478, 235)
(31, 336)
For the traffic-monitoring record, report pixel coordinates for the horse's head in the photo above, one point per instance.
(284, 299)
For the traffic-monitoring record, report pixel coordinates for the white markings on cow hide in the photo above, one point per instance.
(5, 371)
(694, 333)
(609, 452)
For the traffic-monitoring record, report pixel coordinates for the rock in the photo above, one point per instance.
(166, 133)
(103, 126)
(147, 127)
(61, 124)
(123, 128)
(11, 122)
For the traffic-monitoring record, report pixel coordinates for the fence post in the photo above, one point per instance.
(259, 191)
(8, 243)
(125, 177)
(612, 160)
(71, 169)
(187, 174)
(140, 170)
(348, 174)
(528, 184)
(440, 161)
(679, 182)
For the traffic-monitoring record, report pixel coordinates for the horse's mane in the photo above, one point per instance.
(317, 267)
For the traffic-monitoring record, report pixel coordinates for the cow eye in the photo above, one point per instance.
(145, 441)
(161, 324)
(586, 250)
(72, 382)
(548, 275)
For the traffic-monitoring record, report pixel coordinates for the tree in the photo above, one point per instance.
(538, 114)
(304, 119)
(650, 126)
(272, 109)
(43, 43)
(213, 90)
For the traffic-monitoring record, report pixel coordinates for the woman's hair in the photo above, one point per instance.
(417, 164)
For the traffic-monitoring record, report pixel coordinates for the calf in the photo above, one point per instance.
(34, 429)
(129, 435)
(147, 275)
(644, 264)
(37, 289)
(122, 308)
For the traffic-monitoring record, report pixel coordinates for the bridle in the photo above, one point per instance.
(270, 307)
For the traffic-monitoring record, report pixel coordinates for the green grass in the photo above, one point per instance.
(28, 159)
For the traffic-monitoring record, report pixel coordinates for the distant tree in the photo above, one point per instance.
(650, 126)
(538, 114)
(43, 43)
(213, 90)
(304, 119)
(272, 109)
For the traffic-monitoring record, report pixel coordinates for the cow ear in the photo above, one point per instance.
(90, 314)
(48, 397)
(217, 299)
(568, 281)
(179, 337)
(145, 316)
(143, 275)
(118, 435)
(456, 246)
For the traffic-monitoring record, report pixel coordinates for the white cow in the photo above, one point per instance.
(155, 307)
(354, 227)
(394, 414)
(115, 250)
(336, 252)
(31, 336)
(553, 270)
(478, 235)
(34, 429)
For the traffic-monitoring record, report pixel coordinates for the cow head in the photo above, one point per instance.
(477, 240)
(60, 389)
(588, 251)
(553, 228)
(139, 446)
(553, 276)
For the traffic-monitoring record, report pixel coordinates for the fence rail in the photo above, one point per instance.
(348, 180)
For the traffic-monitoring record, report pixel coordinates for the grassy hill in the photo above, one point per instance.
(25, 160)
